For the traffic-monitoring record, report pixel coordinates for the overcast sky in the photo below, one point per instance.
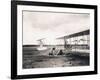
(49, 25)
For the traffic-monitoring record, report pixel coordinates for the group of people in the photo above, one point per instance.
(56, 52)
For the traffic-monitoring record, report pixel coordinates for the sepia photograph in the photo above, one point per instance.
(52, 39)
(55, 39)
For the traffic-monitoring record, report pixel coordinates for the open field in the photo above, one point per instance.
(33, 58)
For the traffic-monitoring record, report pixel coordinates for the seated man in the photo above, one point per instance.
(52, 51)
(60, 52)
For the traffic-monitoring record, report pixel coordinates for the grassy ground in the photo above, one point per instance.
(32, 58)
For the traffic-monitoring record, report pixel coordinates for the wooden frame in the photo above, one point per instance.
(14, 37)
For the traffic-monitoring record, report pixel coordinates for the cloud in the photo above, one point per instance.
(38, 25)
